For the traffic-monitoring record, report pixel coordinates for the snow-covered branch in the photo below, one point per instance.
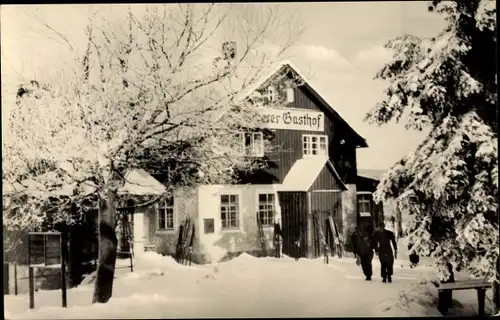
(160, 75)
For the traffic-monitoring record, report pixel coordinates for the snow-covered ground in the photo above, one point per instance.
(243, 287)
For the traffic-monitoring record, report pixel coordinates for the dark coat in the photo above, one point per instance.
(354, 242)
(383, 240)
(363, 243)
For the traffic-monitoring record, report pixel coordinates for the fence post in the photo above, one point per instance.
(31, 281)
(15, 278)
(131, 263)
(63, 255)
(6, 278)
(496, 288)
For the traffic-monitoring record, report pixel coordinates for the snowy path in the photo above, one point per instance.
(243, 287)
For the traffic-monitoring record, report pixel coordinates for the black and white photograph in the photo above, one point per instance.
(250, 159)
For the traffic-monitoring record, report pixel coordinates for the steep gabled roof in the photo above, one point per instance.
(360, 141)
(305, 171)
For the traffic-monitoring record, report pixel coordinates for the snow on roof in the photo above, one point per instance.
(304, 172)
(37, 189)
(375, 174)
(139, 182)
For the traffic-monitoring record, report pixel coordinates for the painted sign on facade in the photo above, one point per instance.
(293, 119)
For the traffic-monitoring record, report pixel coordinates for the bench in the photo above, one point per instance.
(445, 293)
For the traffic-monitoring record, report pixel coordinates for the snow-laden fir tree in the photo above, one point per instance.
(148, 90)
(449, 184)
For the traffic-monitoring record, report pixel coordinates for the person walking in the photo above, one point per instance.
(414, 257)
(363, 246)
(354, 241)
(383, 240)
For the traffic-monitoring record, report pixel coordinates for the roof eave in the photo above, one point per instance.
(369, 178)
(361, 143)
(342, 184)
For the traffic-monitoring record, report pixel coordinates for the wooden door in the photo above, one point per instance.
(139, 234)
(293, 224)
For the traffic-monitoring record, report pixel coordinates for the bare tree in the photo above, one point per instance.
(148, 81)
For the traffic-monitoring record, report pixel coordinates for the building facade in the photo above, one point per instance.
(312, 171)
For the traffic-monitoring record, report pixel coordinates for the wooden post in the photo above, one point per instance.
(130, 216)
(440, 302)
(131, 263)
(63, 272)
(496, 288)
(31, 282)
(481, 295)
(448, 294)
(6, 278)
(131, 226)
(309, 224)
(496, 296)
(15, 278)
(45, 249)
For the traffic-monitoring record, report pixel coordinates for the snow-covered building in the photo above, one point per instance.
(313, 171)
(368, 180)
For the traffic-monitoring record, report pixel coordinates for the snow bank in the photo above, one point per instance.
(147, 263)
(153, 260)
(144, 306)
(215, 253)
(245, 286)
(419, 300)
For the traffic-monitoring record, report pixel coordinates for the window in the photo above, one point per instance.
(166, 215)
(229, 211)
(239, 143)
(266, 209)
(256, 144)
(364, 205)
(290, 97)
(250, 144)
(272, 94)
(314, 145)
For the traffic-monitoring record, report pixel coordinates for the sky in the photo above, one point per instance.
(340, 50)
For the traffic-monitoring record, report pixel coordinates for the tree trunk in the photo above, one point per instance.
(103, 288)
(399, 222)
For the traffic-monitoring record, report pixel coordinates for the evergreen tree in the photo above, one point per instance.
(449, 184)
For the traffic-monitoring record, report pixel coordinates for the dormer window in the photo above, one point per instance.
(272, 94)
(290, 95)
